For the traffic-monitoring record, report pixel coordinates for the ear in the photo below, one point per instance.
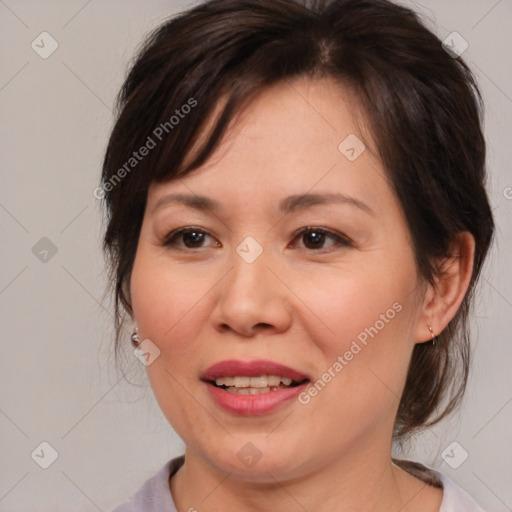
(443, 299)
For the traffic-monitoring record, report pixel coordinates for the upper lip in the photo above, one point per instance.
(255, 368)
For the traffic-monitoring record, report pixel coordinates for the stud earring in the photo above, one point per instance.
(135, 337)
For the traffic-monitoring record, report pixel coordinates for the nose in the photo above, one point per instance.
(252, 298)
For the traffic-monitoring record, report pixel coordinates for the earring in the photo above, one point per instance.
(135, 337)
(434, 338)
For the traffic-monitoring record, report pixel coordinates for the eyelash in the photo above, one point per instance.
(341, 241)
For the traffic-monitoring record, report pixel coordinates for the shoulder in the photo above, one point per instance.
(154, 495)
(455, 499)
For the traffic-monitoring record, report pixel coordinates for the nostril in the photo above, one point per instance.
(266, 326)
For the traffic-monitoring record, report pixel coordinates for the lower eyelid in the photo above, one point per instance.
(170, 240)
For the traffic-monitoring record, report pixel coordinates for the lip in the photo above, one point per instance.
(252, 405)
(233, 368)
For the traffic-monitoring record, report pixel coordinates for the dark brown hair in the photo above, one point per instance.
(422, 104)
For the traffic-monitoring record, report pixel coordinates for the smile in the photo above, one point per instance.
(243, 385)
(254, 387)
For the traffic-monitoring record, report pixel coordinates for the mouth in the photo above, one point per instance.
(243, 385)
(253, 387)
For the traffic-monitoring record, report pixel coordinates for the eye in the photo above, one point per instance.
(191, 237)
(314, 238)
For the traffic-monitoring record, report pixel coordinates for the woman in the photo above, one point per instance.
(297, 220)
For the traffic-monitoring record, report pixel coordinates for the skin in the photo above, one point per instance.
(301, 302)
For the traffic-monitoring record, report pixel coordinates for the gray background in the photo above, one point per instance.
(58, 379)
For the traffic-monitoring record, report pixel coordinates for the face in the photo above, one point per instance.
(328, 288)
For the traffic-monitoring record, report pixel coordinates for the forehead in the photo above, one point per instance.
(288, 140)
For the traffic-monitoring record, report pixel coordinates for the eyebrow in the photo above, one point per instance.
(287, 205)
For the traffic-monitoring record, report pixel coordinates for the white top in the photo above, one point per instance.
(155, 496)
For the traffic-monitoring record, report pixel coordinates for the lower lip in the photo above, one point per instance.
(253, 405)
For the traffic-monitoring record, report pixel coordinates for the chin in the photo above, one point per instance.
(248, 463)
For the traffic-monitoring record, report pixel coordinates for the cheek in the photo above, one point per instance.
(168, 310)
(166, 301)
(363, 325)
(373, 302)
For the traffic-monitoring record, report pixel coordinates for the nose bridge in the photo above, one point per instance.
(250, 275)
(251, 296)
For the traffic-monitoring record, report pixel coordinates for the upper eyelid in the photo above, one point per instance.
(339, 237)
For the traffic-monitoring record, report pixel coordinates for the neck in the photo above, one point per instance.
(357, 482)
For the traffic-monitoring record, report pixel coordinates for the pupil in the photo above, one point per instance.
(316, 237)
(193, 236)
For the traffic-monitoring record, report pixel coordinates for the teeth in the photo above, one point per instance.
(273, 380)
(241, 382)
(248, 391)
(261, 382)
